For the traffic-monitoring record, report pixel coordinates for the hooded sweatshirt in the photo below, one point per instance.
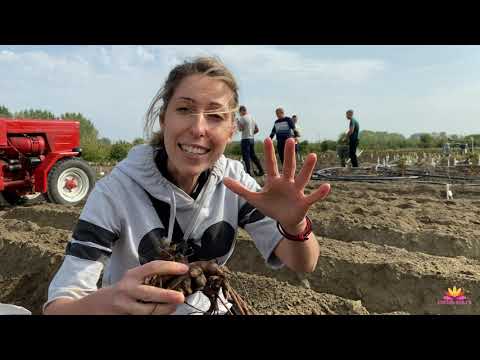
(134, 211)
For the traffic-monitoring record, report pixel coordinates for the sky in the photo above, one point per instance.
(395, 88)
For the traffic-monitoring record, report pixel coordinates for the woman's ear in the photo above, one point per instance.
(232, 133)
(161, 118)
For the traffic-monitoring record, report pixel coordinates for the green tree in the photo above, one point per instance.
(326, 145)
(426, 141)
(96, 151)
(381, 140)
(138, 141)
(119, 150)
(258, 147)
(476, 140)
(88, 132)
(304, 147)
(105, 141)
(35, 114)
(233, 149)
(4, 112)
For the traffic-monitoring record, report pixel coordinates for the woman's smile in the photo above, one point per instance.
(194, 150)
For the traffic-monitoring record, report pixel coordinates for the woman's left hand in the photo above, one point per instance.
(282, 198)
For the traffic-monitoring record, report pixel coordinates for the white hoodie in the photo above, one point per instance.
(134, 210)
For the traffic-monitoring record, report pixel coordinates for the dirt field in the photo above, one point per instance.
(385, 248)
(394, 246)
(32, 243)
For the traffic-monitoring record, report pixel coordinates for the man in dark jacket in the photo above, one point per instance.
(283, 128)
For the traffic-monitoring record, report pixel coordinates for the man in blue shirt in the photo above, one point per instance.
(353, 130)
(283, 128)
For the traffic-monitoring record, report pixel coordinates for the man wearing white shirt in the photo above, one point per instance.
(296, 136)
(247, 125)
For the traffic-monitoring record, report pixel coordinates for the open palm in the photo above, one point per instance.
(282, 198)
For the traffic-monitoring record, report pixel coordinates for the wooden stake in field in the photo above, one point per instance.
(449, 192)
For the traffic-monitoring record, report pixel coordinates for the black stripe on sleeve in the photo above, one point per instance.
(86, 231)
(248, 214)
(87, 252)
(244, 211)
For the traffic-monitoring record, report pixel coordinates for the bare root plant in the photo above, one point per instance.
(205, 276)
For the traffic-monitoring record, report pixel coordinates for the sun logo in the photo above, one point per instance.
(454, 294)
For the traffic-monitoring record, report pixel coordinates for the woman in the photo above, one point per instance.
(181, 188)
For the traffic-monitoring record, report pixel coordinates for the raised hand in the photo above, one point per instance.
(282, 198)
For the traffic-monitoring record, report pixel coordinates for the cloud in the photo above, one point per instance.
(270, 61)
(39, 68)
(7, 56)
(113, 85)
(265, 62)
(280, 63)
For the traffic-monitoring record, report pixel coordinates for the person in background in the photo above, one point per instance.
(247, 125)
(297, 138)
(343, 149)
(352, 133)
(283, 129)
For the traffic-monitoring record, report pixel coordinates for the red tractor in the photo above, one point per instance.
(43, 157)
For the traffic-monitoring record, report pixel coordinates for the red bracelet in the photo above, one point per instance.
(303, 236)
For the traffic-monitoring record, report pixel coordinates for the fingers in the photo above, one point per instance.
(289, 163)
(270, 158)
(153, 294)
(305, 173)
(163, 309)
(137, 308)
(132, 297)
(159, 267)
(319, 194)
(239, 189)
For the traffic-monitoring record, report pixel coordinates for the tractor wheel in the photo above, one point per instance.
(70, 181)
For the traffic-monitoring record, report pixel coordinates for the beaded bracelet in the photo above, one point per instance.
(303, 236)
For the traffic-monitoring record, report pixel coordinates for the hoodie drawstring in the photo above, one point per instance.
(194, 218)
(199, 207)
(173, 213)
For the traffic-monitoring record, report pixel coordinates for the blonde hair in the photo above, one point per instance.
(207, 66)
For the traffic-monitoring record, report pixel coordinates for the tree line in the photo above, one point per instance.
(376, 140)
(102, 149)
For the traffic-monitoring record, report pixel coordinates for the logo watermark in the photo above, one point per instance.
(454, 297)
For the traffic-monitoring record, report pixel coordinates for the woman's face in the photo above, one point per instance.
(195, 140)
